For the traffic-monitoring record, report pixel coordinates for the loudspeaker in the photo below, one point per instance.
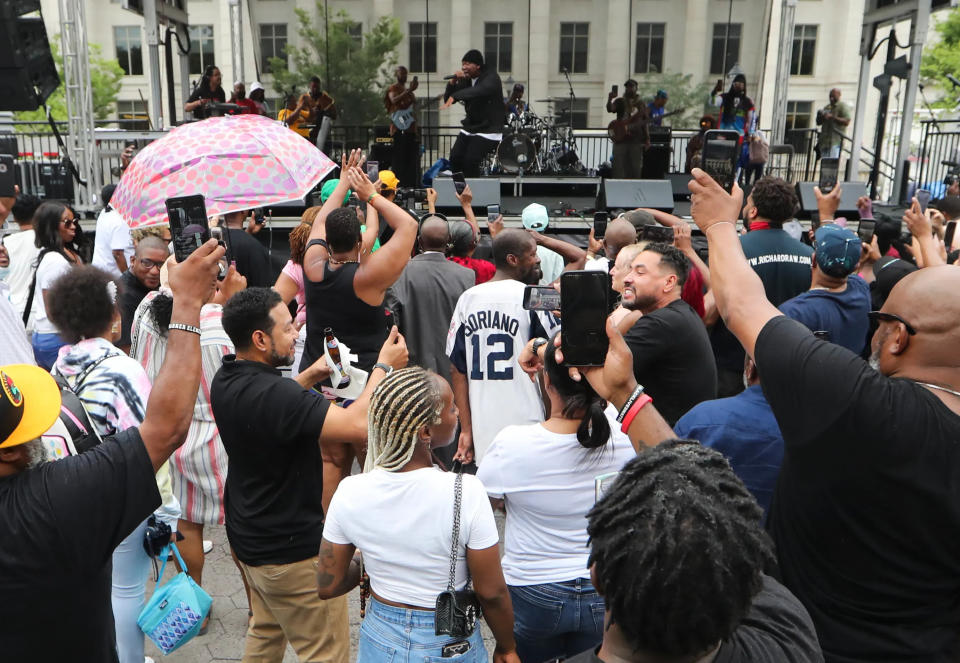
(55, 181)
(656, 162)
(28, 74)
(486, 191)
(850, 191)
(630, 194)
(382, 149)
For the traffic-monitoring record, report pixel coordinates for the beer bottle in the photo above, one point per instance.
(334, 350)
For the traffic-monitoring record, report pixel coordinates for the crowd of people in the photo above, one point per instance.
(763, 469)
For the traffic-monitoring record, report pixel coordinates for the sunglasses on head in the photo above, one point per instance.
(880, 316)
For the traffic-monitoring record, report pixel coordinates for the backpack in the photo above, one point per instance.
(73, 433)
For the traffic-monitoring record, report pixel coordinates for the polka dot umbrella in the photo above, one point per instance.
(235, 162)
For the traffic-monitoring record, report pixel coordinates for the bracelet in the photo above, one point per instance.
(538, 343)
(714, 225)
(630, 401)
(639, 405)
(183, 327)
(372, 196)
(386, 368)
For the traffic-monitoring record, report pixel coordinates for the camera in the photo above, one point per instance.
(415, 195)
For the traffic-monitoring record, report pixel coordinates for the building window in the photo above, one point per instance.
(574, 38)
(273, 44)
(720, 37)
(127, 41)
(133, 115)
(201, 48)
(355, 30)
(580, 114)
(649, 53)
(423, 47)
(498, 46)
(428, 122)
(804, 48)
(799, 114)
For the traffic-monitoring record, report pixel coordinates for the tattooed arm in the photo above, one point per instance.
(338, 570)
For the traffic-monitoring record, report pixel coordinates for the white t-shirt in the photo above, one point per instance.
(597, 264)
(113, 234)
(402, 522)
(551, 264)
(547, 482)
(487, 332)
(51, 268)
(23, 256)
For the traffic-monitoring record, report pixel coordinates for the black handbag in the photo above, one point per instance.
(457, 611)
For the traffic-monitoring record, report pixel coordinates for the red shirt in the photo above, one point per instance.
(692, 292)
(247, 107)
(483, 268)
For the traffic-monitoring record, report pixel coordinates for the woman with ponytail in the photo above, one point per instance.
(544, 476)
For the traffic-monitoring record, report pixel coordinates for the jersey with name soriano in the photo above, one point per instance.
(487, 332)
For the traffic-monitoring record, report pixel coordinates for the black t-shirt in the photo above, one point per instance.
(270, 427)
(252, 259)
(131, 294)
(672, 359)
(784, 265)
(60, 524)
(866, 513)
(200, 112)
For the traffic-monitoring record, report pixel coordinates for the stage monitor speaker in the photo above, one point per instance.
(28, 74)
(486, 191)
(850, 192)
(678, 182)
(382, 149)
(630, 194)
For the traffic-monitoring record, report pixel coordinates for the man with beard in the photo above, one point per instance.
(141, 278)
(633, 117)
(273, 429)
(487, 333)
(865, 517)
(672, 358)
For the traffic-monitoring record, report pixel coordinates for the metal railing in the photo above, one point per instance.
(940, 141)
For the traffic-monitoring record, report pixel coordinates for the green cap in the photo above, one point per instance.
(328, 188)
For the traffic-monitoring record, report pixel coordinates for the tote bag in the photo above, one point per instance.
(175, 612)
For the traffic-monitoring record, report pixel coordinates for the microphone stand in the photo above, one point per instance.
(568, 138)
(927, 105)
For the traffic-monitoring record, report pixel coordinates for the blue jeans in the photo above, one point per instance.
(46, 347)
(131, 566)
(399, 635)
(559, 619)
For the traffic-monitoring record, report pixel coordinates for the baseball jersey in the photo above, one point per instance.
(487, 332)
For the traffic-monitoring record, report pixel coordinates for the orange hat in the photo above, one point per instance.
(388, 179)
(29, 403)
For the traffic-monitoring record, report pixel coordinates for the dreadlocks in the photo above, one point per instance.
(678, 549)
(400, 406)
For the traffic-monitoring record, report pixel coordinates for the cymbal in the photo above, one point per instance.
(550, 100)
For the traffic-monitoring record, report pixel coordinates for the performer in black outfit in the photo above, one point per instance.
(481, 92)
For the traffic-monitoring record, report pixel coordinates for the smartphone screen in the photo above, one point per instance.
(541, 298)
(493, 211)
(460, 182)
(615, 89)
(7, 176)
(584, 311)
(829, 169)
(923, 197)
(188, 224)
(373, 170)
(948, 234)
(865, 230)
(600, 224)
(721, 150)
(656, 234)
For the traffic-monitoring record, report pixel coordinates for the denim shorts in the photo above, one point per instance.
(559, 619)
(400, 635)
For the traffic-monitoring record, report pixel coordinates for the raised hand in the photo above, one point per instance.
(710, 203)
(193, 281)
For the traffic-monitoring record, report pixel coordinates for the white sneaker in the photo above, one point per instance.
(207, 546)
(147, 659)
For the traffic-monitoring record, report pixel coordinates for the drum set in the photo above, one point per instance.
(535, 145)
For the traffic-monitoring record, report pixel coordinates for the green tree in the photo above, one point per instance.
(684, 95)
(360, 67)
(105, 77)
(943, 57)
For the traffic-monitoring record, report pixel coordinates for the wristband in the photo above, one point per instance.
(386, 368)
(637, 406)
(183, 327)
(630, 401)
(372, 196)
(537, 344)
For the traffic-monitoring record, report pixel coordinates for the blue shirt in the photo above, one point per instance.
(843, 314)
(744, 430)
(656, 113)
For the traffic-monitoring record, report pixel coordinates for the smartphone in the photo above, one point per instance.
(656, 234)
(602, 483)
(541, 298)
(8, 176)
(615, 89)
(460, 182)
(829, 170)
(600, 224)
(188, 224)
(222, 236)
(721, 151)
(865, 230)
(373, 170)
(948, 234)
(493, 211)
(923, 197)
(584, 309)
(455, 649)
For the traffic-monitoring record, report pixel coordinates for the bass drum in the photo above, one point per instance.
(516, 151)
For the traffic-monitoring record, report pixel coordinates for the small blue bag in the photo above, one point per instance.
(434, 170)
(175, 612)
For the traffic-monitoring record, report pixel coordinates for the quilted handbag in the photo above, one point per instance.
(175, 612)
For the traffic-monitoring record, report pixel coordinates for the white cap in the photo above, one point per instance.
(254, 86)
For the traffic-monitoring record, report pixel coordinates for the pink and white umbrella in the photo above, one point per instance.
(236, 162)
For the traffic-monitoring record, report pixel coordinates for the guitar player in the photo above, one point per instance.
(630, 131)
(400, 101)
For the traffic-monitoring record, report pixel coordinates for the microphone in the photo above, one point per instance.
(563, 70)
(953, 79)
(450, 77)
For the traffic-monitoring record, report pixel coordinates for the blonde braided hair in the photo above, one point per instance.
(404, 402)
